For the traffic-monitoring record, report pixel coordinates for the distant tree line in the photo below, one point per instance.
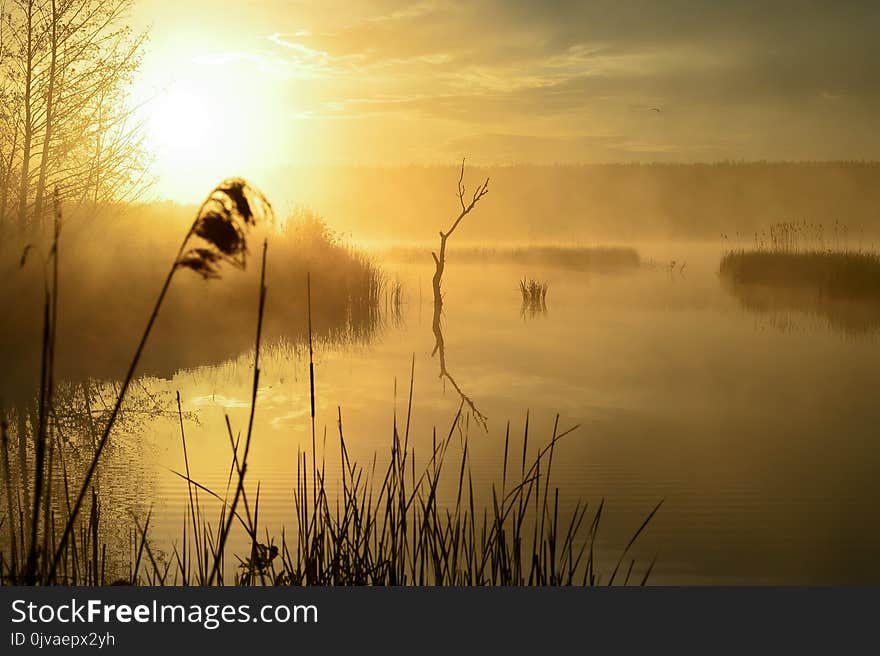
(65, 123)
(598, 202)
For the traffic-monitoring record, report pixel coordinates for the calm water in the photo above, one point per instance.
(756, 424)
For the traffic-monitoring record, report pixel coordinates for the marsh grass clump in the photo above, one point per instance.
(409, 522)
(803, 268)
(420, 519)
(349, 289)
(534, 295)
(835, 274)
(405, 534)
(335, 264)
(806, 257)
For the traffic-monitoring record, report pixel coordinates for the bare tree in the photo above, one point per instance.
(9, 124)
(440, 260)
(440, 265)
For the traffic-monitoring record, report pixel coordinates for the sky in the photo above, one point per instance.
(261, 85)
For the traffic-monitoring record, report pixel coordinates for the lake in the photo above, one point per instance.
(754, 421)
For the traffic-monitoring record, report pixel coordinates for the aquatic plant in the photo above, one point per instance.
(534, 292)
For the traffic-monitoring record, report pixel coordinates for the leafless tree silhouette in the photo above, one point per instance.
(440, 265)
(440, 260)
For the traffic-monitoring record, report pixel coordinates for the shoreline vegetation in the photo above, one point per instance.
(383, 528)
(807, 268)
(830, 274)
(799, 255)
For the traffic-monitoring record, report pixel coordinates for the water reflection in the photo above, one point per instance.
(122, 492)
(440, 352)
(533, 309)
(794, 310)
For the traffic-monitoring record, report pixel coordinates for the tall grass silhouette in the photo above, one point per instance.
(389, 526)
(216, 236)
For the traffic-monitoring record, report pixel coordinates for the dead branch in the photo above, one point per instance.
(439, 267)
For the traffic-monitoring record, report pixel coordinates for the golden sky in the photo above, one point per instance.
(251, 87)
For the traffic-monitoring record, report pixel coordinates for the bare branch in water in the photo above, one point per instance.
(439, 266)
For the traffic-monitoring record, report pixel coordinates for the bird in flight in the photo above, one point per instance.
(655, 109)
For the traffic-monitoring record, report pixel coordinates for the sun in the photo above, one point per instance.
(203, 128)
(197, 133)
(182, 124)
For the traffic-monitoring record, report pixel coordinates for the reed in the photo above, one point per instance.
(806, 257)
(217, 236)
(534, 292)
(534, 297)
(415, 521)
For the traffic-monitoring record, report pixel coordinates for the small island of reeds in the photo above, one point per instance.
(534, 296)
(802, 256)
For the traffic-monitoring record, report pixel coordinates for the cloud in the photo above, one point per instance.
(536, 80)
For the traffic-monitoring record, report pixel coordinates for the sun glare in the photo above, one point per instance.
(182, 124)
(207, 125)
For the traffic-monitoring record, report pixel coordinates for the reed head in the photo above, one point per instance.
(219, 232)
